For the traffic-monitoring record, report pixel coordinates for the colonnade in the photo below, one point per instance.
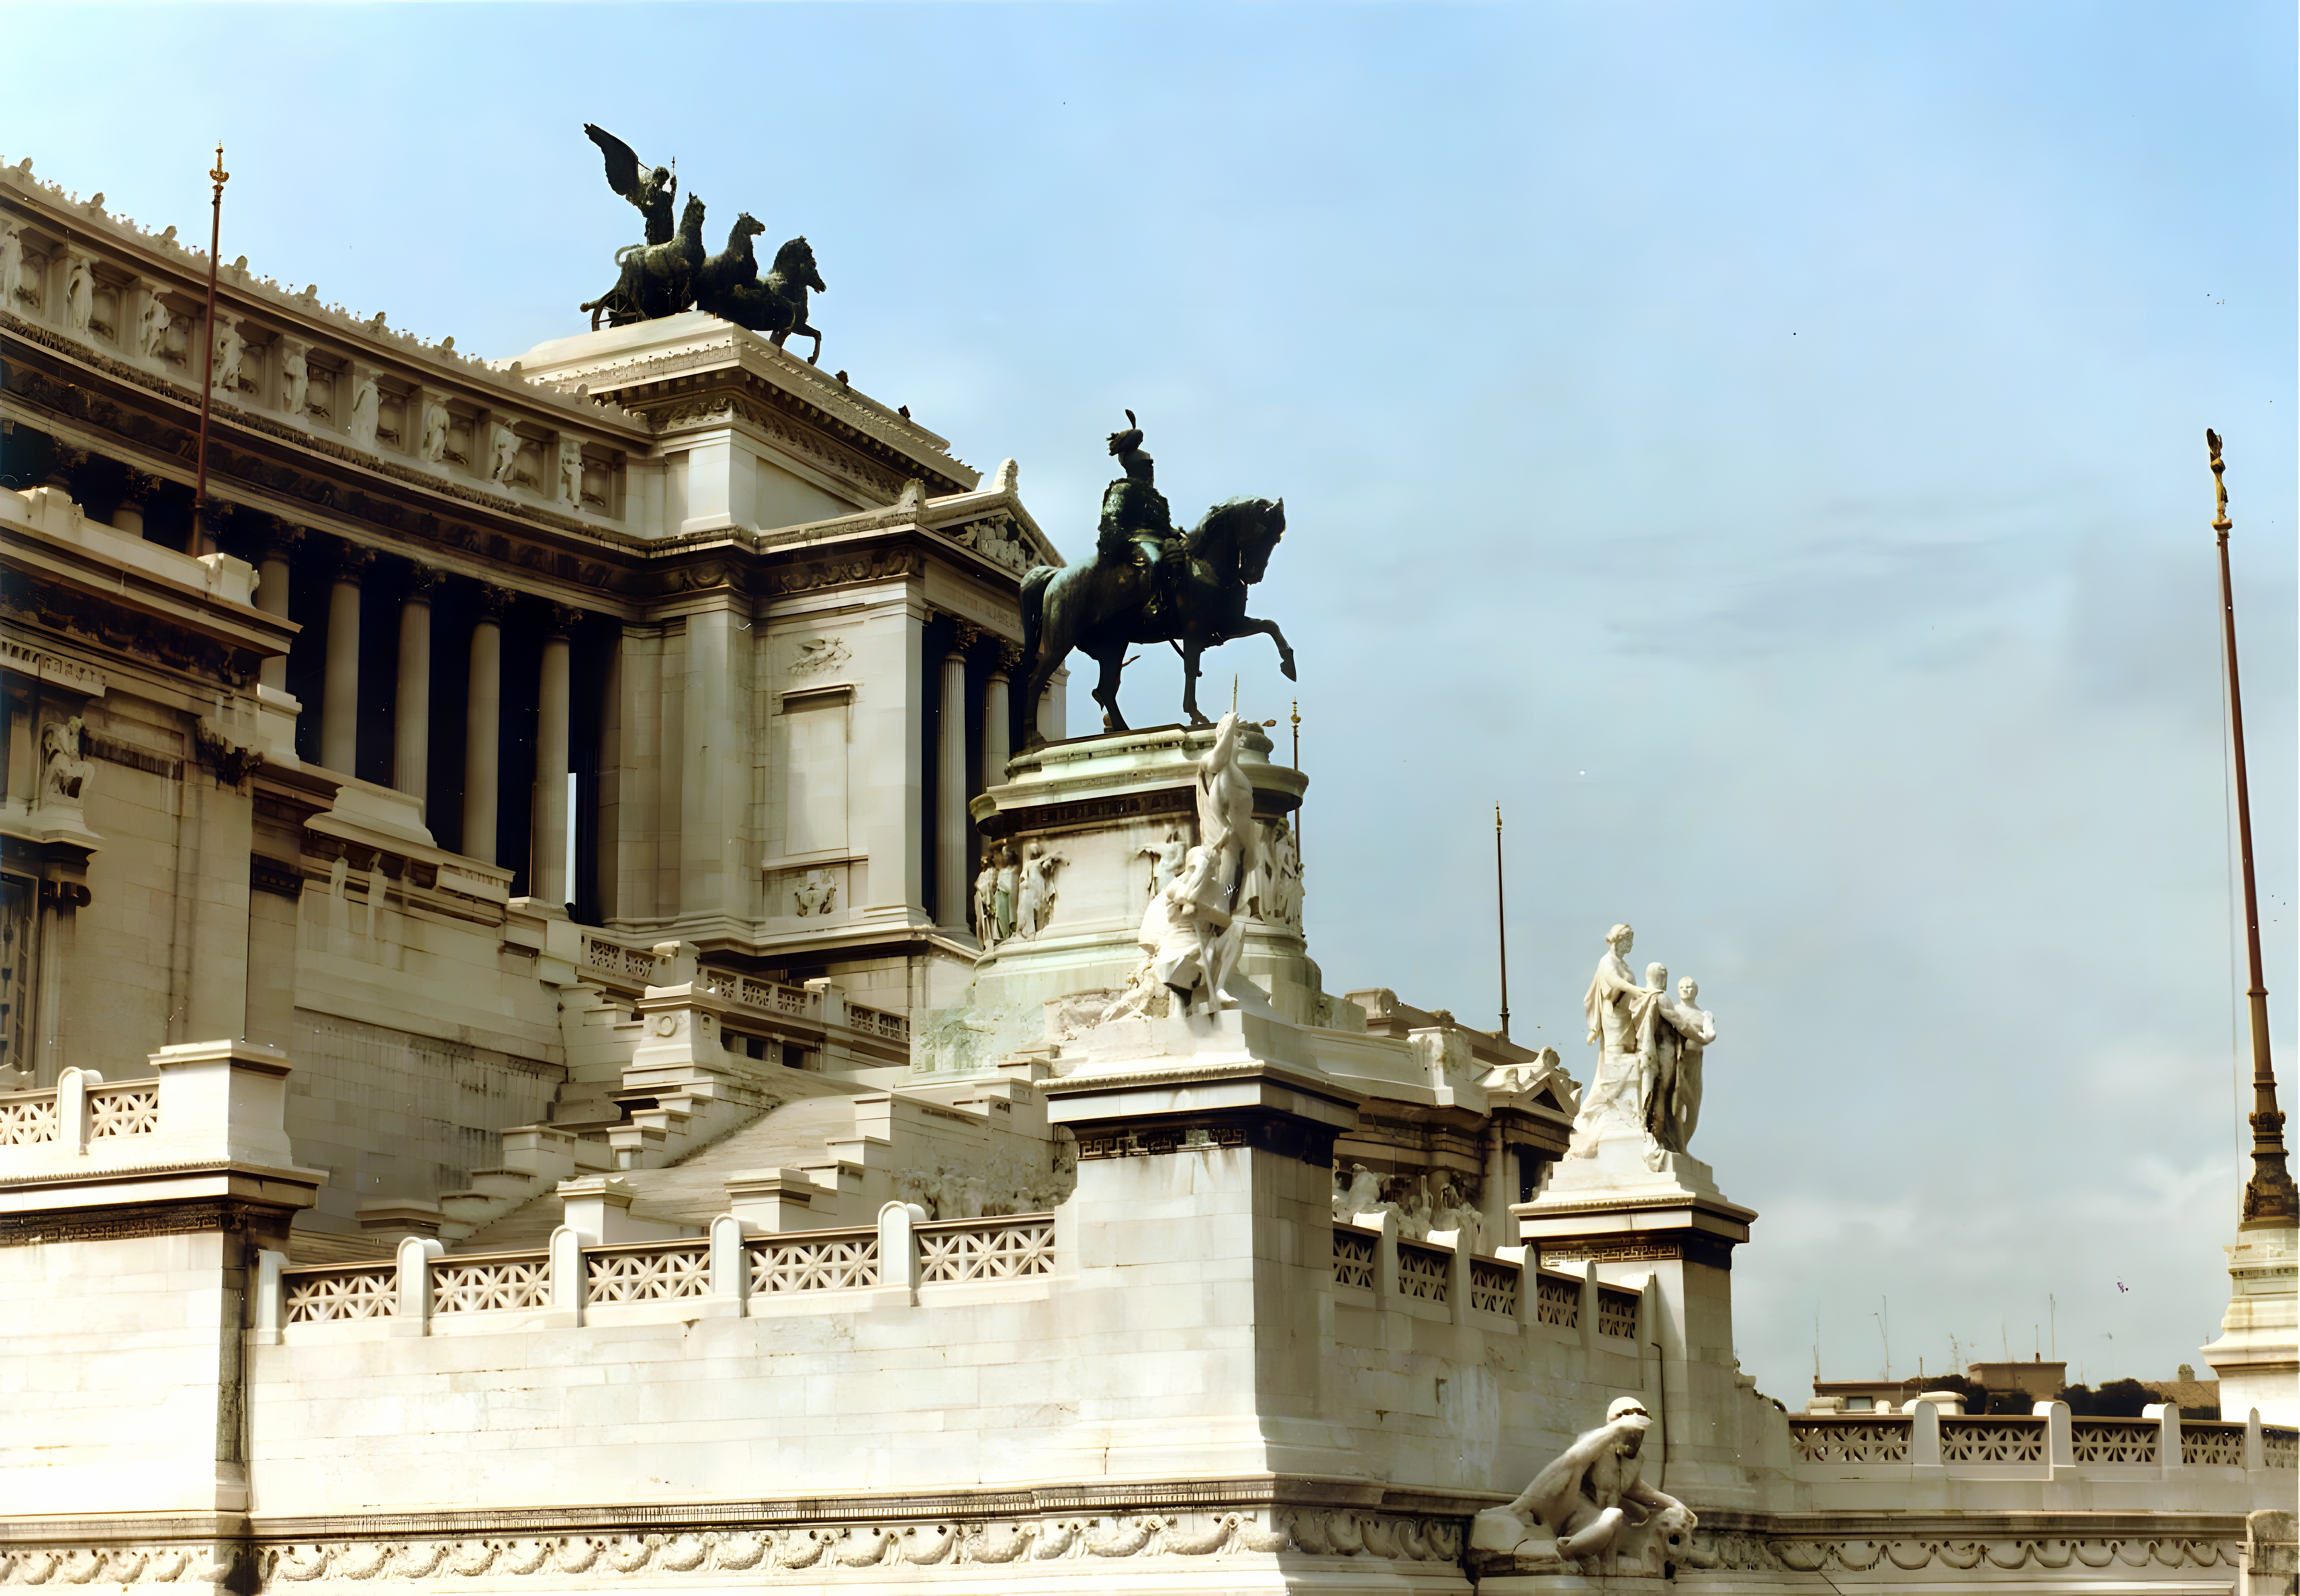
(955, 861)
(352, 568)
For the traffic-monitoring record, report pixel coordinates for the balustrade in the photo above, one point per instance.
(27, 1118)
(2007, 1438)
(676, 1271)
(1422, 1272)
(987, 1249)
(1355, 1251)
(1557, 1301)
(1861, 1440)
(130, 1109)
(2115, 1439)
(1495, 1284)
(1617, 1312)
(2279, 1448)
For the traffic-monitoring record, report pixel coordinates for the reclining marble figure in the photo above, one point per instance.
(1592, 1502)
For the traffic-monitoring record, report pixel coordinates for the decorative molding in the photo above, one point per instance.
(112, 750)
(267, 874)
(98, 619)
(1751, 1551)
(1261, 1130)
(55, 669)
(807, 1552)
(1665, 1247)
(137, 1221)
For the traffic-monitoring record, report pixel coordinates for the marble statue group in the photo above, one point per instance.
(1651, 1042)
(1591, 1502)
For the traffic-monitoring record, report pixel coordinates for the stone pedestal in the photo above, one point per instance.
(1205, 1145)
(1105, 807)
(1633, 1220)
(2257, 1357)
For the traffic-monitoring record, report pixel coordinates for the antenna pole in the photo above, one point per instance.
(2270, 1203)
(193, 537)
(1501, 919)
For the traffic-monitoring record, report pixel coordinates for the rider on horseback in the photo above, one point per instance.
(1134, 511)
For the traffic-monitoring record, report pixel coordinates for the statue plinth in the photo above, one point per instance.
(1077, 837)
(1655, 1219)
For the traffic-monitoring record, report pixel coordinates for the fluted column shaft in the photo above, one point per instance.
(546, 876)
(997, 698)
(483, 727)
(951, 872)
(271, 598)
(411, 719)
(339, 699)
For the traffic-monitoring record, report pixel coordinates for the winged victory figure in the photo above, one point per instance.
(651, 192)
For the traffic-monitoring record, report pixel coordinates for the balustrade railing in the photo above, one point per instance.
(130, 1109)
(2114, 1439)
(721, 1267)
(1825, 1440)
(1355, 1251)
(824, 1261)
(1423, 1272)
(2005, 1438)
(27, 1118)
(638, 967)
(486, 1284)
(1495, 1283)
(1617, 1312)
(1005, 1249)
(1557, 1301)
(2204, 1443)
(340, 1291)
(647, 1271)
(2280, 1447)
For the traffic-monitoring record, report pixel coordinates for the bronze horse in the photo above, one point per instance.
(658, 279)
(1192, 596)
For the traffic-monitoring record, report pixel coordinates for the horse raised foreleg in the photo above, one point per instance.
(1269, 629)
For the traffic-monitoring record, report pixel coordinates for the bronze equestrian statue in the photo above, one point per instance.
(1147, 583)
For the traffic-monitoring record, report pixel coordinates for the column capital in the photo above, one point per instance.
(964, 634)
(493, 601)
(1010, 655)
(558, 620)
(423, 581)
(277, 539)
(353, 561)
(142, 485)
(64, 461)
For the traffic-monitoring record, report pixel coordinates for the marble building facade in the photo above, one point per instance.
(759, 1201)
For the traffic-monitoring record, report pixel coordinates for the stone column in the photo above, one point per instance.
(128, 517)
(60, 903)
(411, 715)
(483, 725)
(271, 594)
(996, 700)
(546, 874)
(339, 702)
(951, 871)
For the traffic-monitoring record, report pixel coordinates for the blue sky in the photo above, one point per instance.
(1759, 446)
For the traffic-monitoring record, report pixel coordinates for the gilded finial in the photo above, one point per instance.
(220, 176)
(2220, 522)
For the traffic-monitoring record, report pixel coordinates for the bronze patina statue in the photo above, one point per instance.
(730, 288)
(658, 279)
(651, 192)
(669, 273)
(1147, 583)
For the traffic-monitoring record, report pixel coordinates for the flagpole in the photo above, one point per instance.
(2269, 1199)
(194, 539)
(1501, 919)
